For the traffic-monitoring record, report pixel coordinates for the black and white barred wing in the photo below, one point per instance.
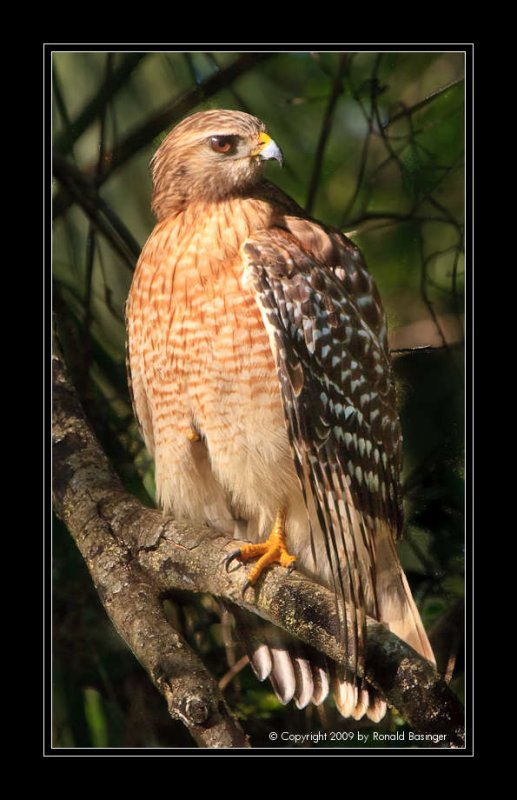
(339, 404)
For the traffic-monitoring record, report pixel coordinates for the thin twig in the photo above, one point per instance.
(425, 294)
(83, 191)
(426, 348)
(87, 351)
(396, 216)
(407, 112)
(99, 101)
(326, 125)
(91, 244)
(366, 144)
(446, 637)
(232, 672)
(60, 101)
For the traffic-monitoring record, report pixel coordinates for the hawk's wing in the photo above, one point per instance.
(328, 336)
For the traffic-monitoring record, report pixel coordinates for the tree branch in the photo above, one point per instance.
(326, 125)
(135, 554)
(83, 190)
(84, 482)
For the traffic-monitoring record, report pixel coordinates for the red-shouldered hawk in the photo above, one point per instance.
(261, 379)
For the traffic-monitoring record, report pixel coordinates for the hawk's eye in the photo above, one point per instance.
(223, 144)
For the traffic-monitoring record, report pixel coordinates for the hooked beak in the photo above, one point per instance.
(268, 149)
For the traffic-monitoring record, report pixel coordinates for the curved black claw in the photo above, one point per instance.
(231, 557)
(246, 585)
(292, 566)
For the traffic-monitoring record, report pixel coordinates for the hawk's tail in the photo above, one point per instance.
(298, 672)
(396, 607)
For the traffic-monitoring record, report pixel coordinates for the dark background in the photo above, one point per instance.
(374, 143)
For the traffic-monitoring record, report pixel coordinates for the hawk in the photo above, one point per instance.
(261, 379)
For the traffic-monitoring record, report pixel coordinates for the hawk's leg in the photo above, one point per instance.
(272, 551)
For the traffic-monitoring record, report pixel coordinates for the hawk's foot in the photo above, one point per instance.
(272, 551)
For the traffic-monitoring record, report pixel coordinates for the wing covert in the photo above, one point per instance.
(338, 397)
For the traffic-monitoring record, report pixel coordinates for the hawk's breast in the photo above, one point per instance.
(201, 360)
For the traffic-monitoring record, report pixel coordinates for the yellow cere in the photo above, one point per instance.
(264, 139)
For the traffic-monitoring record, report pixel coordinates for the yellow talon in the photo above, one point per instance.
(272, 551)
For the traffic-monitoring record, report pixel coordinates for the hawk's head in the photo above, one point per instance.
(209, 156)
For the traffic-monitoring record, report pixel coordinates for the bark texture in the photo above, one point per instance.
(135, 555)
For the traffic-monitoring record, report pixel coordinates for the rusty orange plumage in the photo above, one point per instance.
(261, 380)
